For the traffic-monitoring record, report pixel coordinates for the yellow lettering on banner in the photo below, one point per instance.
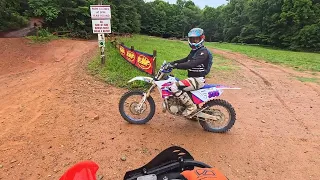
(144, 62)
(122, 51)
(130, 55)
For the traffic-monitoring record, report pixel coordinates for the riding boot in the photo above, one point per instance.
(190, 106)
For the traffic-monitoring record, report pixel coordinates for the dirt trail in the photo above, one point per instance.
(29, 29)
(53, 114)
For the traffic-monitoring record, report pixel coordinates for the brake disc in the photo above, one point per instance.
(134, 108)
(217, 113)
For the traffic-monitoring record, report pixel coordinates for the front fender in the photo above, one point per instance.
(141, 78)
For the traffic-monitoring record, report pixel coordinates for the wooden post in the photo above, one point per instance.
(102, 53)
(154, 62)
(132, 48)
(102, 56)
(117, 43)
(104, 49)
(37, 32)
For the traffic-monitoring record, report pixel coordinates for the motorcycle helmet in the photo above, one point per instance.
(196, 38)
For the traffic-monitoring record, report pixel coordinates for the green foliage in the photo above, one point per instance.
(11, 15)
(125, 15)
(74, 16)
(297, 60)
(308, 37)
(43, 36)
(290, 24)
(49, 9)
(163, 19)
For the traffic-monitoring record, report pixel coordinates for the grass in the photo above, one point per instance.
(222, 64)
(118, 72)
(299, 60)
(307, 79)
(43, 36)
(166, 50)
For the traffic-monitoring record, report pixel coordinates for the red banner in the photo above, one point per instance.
(143, 61)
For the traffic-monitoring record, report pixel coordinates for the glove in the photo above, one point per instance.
(171, 65)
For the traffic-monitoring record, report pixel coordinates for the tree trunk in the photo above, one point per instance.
(184, 29)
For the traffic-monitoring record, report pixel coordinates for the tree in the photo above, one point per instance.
(49, 9)
(235, 19)
(308, 37)
(212, 21)
(127, 17)
(190, 17)
(290, 24)
(295, 16)
(12, 14)
(153, 20)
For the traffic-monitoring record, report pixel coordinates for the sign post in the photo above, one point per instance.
(101, 24)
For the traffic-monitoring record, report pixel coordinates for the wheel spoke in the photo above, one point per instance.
(132, 110)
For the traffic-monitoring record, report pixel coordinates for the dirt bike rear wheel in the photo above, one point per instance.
(133, 107)
(206, 124)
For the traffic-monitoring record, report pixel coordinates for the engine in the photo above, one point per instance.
(174, 106)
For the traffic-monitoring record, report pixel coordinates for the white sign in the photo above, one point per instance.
(100, 11)
(101, 26)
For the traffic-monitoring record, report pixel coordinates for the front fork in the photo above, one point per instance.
(145, 96)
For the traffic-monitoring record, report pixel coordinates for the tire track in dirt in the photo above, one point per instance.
(261, 62)
(254, 72)
(241, 59)
(314, 88)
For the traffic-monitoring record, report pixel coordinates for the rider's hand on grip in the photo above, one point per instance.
(171, 66)
(204, 173)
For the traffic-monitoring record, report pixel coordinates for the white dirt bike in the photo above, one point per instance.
(214, 115)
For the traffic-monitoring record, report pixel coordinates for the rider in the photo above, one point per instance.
(198, 64)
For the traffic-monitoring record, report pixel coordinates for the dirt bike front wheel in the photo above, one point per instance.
(223, 113)
(135, 112)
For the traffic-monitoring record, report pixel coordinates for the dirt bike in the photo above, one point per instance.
(214, 115)
(174, 163)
